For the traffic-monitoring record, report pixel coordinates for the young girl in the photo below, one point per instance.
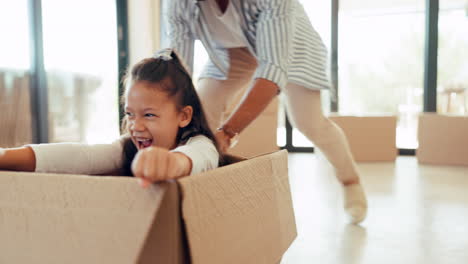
(166, 132)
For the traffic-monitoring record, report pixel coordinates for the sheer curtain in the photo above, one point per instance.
(15, 111)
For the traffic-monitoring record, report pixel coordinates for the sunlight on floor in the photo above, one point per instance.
(417, 214)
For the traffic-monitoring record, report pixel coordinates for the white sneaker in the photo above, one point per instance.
(355, 202)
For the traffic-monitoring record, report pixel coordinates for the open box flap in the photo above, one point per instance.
(241, 213)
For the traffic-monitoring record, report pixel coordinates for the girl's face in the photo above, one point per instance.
(152, 117)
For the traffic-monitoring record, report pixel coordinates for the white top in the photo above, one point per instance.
(225, 28)
(77, 158)
(277, 32)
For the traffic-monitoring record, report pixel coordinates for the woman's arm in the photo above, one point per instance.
(251, 106)
(18, 159)
(272, 46)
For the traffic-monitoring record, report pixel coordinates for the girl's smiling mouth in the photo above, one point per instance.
(143, 142)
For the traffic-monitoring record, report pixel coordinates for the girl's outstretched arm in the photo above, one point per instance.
(155, 164)
(18, 159)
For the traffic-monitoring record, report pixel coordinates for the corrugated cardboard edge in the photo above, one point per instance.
(240, 196)
(443, 140)
(166, 241)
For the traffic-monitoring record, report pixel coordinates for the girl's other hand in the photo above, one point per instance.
(154, 164)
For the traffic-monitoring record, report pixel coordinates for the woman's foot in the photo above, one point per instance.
(355, 202)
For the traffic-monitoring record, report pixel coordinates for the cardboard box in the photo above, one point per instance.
(443, 139)
(371, 138)
(260, 136)
(240, 213)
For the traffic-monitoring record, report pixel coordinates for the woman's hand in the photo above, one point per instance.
(223, 140)
(156, 164)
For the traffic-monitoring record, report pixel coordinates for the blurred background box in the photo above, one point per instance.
(443, 139)
(260, 136)
(371, 138)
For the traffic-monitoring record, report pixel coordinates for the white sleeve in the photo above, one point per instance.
(76, 158)
(202, 152)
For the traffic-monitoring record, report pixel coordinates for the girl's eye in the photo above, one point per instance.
(128, 114)
(150, 115)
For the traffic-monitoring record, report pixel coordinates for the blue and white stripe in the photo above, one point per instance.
(278, 33)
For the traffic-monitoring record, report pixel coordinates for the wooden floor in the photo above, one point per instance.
(417, 214)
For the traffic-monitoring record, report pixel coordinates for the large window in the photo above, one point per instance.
(381, 61)
(381, 55)
(14, 28)
(452, 73)
(80, 59)
(58, 71)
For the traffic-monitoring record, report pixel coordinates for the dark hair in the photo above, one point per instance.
(172, 78)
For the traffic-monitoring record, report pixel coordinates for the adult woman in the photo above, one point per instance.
(271, 46)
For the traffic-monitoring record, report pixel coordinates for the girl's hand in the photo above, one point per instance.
(154, 164)
(17, 159)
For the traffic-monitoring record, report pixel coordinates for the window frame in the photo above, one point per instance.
(430, 69)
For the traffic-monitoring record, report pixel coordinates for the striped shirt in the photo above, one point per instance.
(278, 33)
